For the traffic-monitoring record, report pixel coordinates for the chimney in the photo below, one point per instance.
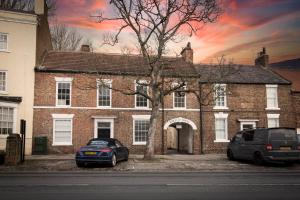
(39, 7)
(262, 59)
(187, 53)
(85, 48)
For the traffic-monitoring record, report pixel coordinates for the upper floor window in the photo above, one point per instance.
(140, 100)
(221, 127)
(272, 97)
(179, 98)
(3, 77)
(104, 93)
(3, 42)
(220, 96)
(63, 91)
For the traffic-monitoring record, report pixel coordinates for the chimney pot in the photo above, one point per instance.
(39, 7)
(262, 58)
(85, 48)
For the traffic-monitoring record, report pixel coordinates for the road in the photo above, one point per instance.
(152, 186)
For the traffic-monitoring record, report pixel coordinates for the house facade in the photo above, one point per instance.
(71, 106)
(18, 55)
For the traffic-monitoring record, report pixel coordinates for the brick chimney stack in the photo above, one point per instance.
(187, 53)
(85, 48)
(39, 7)
(262, 59)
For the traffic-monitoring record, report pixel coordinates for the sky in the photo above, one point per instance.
(244, 27)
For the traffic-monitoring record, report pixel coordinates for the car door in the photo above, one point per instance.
(122, 151)
(247, 144)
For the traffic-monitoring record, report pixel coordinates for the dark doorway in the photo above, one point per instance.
(104, 130)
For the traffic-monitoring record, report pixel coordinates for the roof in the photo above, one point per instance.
(291, 75)
(114, 64)
(242, 74)
(117, 64)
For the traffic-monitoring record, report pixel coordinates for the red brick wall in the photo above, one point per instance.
(296, 103)
(245, 101)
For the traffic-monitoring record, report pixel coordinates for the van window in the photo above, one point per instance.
(282, 134)
(248, 135)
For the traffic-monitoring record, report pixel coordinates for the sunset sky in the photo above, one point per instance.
(242, 30)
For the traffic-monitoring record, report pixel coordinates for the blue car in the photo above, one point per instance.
(102, 151)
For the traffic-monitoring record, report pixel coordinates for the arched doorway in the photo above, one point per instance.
(180, 135)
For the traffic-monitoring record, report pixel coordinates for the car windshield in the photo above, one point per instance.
(282, 134)
(101, 143)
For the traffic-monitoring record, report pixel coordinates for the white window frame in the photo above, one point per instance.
(5, 50)
(224, 116)
(247, 123)
(63, 80)
(272, 117)
(216, 107)
(62, 117)
(136, 118)
(135, 96)
(185, 94)
(276, 103)
(111, 121)
(108, 82)
(15, 107)
(6, 80)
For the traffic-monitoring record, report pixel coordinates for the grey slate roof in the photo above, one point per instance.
(116, 64)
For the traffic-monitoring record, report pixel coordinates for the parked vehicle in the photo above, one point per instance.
(102, 151)
(265, 145)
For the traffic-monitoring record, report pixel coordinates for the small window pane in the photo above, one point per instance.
(3, 41)
(141, 101)
(2, 81)
(63, 93)
(104, 95)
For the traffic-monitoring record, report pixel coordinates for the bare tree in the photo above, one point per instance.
(155, 23)
(65, 38)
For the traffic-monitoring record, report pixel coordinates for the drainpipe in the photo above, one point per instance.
(201, 119)
(162, 118)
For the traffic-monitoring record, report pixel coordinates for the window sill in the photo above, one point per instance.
(272, 108)
(217, 141)
(103, 107)
(220, 108)
(4, 92)
(4, 51)
(139, 143)
(3, 136)
(62, 144)
(59, 106)
(179, 108)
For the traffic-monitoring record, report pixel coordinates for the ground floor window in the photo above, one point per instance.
(247, 124)
(221, 127)
(140, 129)
(104, 128)
(6, 120)
(62, 129)
(273, 120)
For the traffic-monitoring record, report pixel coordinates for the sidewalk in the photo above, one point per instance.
(164, 163)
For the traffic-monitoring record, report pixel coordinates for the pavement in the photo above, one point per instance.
(161, 163)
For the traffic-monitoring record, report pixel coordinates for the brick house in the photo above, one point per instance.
(69, 115)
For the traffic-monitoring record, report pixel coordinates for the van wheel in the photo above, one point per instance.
(230, 155)
(80, 164)
(258, 159)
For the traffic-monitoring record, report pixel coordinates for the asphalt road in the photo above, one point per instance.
(154, 186)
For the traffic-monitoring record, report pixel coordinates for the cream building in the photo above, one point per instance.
(19, 52)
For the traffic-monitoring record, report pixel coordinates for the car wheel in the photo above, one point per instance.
(80, 164)
(113, 160)
(230, 155)
(258, 159)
